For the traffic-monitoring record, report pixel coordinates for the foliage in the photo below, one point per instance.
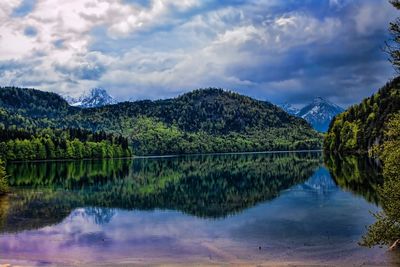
(34, 103)
(3, 179)
(20, 144)
(208, 120)
(393, 45)
(356, 130)
(153, 137)
(386, 230)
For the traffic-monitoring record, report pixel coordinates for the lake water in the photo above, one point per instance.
(277, 208)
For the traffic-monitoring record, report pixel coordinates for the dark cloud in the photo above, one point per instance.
(345, 69)
(82, 71)
(9, 65)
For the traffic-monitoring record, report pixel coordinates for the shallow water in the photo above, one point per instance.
(241, 208)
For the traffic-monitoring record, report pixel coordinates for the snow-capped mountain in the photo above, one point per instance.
(96, 97)
(289, 108)
(319, 113)
(69, 99)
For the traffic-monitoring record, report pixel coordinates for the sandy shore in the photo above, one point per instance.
(146, 262)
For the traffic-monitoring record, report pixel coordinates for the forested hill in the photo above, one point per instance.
(361, 126)
(34, 103)
(214, 111)
(207, 120)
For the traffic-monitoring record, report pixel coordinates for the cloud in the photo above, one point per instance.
(275, 50)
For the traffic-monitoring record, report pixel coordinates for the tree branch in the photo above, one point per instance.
(395, 245)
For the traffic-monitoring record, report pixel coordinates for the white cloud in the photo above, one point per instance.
(209, 64)
(71, 22)
(157, 50)
(7, 8)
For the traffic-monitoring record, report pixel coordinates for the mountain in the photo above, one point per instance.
(289, 108)
(319, 113)
(361, 126)
(96, 97)
(204, 120)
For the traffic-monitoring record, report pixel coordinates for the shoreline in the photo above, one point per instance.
(172, 156)
(205, 263)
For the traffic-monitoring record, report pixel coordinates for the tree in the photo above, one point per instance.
(386, 230)
(393, 45)
(395, 3)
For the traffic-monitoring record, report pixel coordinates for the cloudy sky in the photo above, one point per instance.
(275, 50)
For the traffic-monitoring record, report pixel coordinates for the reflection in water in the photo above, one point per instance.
(99, 215)
(205, 186)
(205, 209)
(360, 175)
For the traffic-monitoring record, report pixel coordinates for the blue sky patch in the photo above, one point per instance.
(24, 8)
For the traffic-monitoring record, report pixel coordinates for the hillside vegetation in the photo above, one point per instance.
(356, 130)
(60, 144)
(208, 120)
(386, 229)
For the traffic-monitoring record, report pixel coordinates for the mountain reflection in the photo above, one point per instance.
(203, 186)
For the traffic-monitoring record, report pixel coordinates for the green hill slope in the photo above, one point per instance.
(208, 120)
(361, 126)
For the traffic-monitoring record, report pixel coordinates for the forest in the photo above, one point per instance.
(37, 125)
(362, 126)
(354, 172)
(19, 144)
(386, 230)
(202, 121)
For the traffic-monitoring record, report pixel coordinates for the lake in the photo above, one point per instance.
(264, 208)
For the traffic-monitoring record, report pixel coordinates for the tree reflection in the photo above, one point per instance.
(203, 186)
(360, 175)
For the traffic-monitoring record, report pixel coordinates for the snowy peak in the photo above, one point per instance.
(96, 97)
(319, 113)
(319, 101)
(289, 108)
